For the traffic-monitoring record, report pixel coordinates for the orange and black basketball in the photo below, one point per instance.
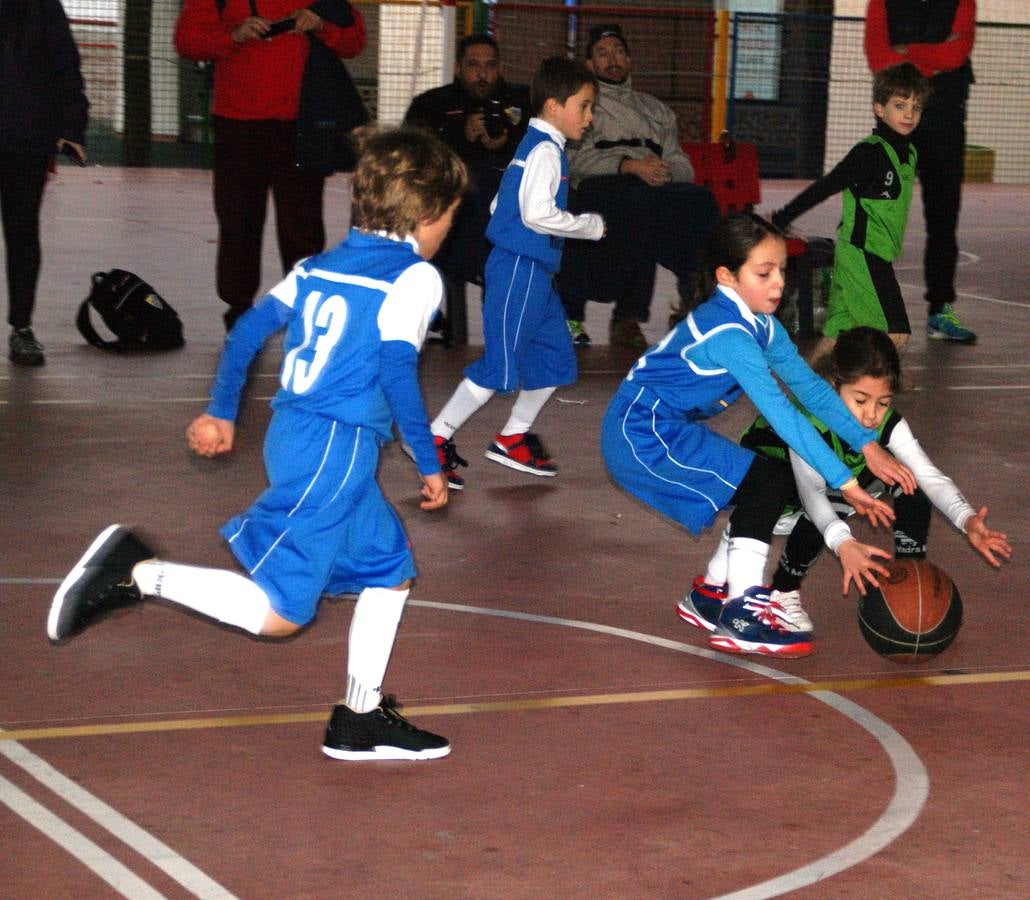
(914, 615)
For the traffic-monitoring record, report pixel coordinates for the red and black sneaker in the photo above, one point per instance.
(449, 461)
(524, 452)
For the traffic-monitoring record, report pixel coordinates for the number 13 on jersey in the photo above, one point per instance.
(324, 321)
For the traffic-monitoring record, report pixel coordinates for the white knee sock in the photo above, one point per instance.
(372, 632)
(217, 593)
(527, 407)
(745, 564)
(466, 399)
(719, 564)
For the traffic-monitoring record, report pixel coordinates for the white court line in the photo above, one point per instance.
(989, 387)
(911, 781)
(149, 847)
(95, 858)
(984, 297)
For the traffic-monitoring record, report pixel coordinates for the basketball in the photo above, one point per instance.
(914, 615)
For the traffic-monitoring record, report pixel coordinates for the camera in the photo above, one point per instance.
(495, 122)
(279, 27)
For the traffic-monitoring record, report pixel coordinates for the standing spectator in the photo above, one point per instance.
(43, 110)
(937, 36)
(631, 168)
(482, 118)
(256, 97)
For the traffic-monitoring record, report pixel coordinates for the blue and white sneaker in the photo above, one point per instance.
(752, 624)
(701, 607)
(945, 326)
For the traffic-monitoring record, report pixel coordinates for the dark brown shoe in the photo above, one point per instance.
(626, 335)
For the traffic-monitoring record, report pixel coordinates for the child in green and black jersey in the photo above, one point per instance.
(876, 179)
(864, 369)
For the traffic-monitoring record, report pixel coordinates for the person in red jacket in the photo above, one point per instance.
(937, 37)
(257, 80)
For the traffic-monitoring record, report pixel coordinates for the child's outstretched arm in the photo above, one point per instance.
(851, 171)
(945, 495)
(989, 544)
(816, 395)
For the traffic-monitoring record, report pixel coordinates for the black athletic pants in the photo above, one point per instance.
(22, 179)
(940, 140)
(252, 158)
(647, 226)
(911, 530)
(760, 498)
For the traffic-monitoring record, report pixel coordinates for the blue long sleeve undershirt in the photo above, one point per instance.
(738, 353)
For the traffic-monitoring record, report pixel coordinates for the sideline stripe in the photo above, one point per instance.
(149, 847)
(495, 706)
(96, 859)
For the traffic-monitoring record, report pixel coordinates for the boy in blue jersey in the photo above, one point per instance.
(354, 318)
(526, 341)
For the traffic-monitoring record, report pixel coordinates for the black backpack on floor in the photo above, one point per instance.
(139, 317)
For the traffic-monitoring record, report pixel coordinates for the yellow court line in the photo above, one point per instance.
(804, 687)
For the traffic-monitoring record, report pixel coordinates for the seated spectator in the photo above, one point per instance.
(631, 169)
(482, 118)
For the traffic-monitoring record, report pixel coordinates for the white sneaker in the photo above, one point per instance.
(786, 606)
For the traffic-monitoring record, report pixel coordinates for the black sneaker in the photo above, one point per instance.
(381, 734)
(447, 453)
(25, 350)
(101, 581)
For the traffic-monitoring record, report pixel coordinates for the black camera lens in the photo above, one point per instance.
(493, 119)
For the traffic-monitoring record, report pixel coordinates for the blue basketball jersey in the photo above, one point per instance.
(338, 308)
(506, 229)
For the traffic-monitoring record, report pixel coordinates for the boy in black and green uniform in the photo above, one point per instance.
(876, 179)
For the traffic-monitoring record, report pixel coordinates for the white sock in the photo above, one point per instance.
(745, 560)
(527, 407)
(719, 564)
(217, 593)
(372, 631)
(467, 398)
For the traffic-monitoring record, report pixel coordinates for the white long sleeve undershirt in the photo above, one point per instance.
(938, 487)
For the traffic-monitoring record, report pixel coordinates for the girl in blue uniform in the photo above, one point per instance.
(657, 446)
(354, 319)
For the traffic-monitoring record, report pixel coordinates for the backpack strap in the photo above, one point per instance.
(86, 329)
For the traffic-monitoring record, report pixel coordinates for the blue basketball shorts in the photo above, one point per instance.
(322, 525)
(682, 469)
(526, 343)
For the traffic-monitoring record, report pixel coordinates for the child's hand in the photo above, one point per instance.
(986, 542)
(857, 561)
(885, 467)
(209, 436)
(876, 511)
(434, 490)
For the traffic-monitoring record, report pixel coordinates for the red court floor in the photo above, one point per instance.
(600, 749)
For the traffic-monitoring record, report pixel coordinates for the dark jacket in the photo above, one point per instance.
(42, 96)
(445, 109)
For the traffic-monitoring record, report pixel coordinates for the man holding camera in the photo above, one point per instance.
(259, 49)
(482, 118)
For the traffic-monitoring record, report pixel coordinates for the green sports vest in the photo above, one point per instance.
(762, 439)
(877, 224)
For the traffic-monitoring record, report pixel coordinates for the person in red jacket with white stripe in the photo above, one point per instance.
(937, 37)
(257, 82)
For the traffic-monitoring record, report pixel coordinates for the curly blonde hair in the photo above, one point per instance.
(404, 176)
